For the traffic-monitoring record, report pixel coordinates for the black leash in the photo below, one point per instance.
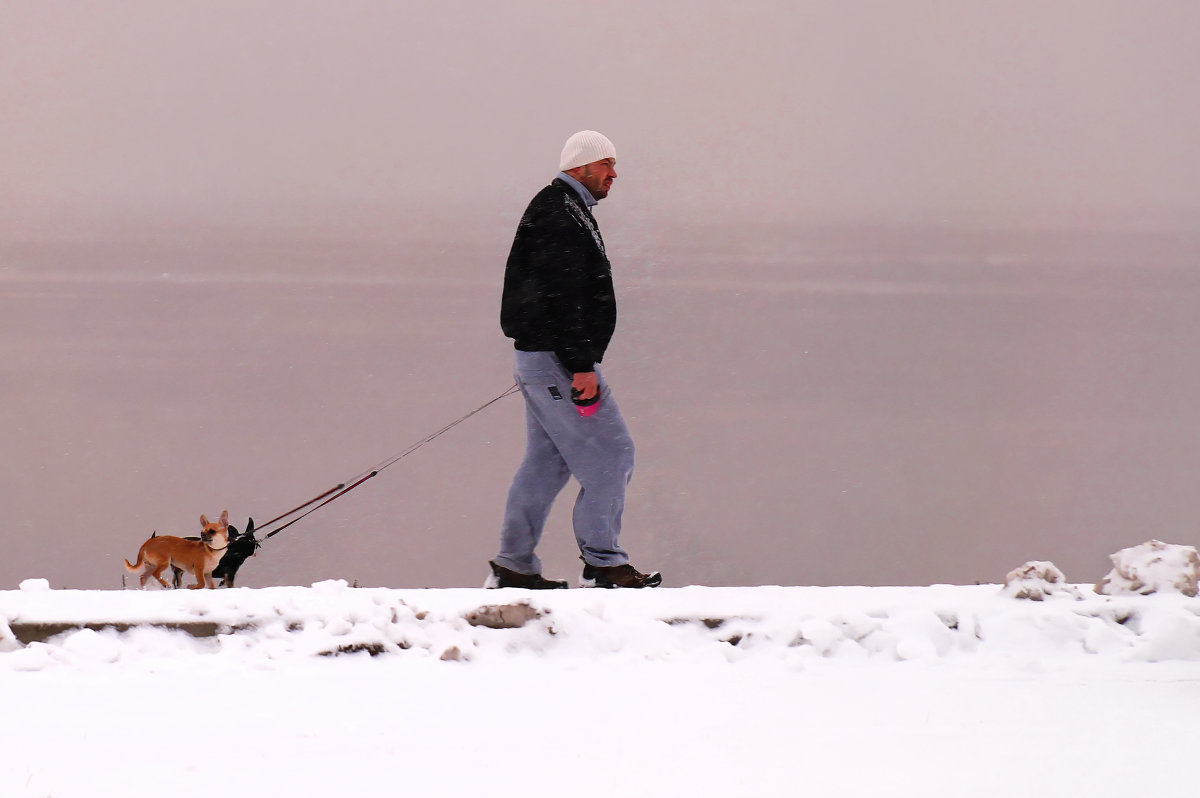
(342, 488)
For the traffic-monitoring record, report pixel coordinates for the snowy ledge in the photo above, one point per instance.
(41, 628)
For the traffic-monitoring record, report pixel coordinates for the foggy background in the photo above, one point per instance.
(908, 291)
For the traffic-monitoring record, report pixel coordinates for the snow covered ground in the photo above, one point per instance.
(331, 690)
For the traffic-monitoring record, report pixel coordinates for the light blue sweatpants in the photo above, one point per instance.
(597, 450)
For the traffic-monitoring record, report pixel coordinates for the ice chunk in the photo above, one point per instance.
(1152, 567)
(1037, 579)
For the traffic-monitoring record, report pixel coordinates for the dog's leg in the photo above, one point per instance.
(157, 574)
(176, 576)
(197, 572)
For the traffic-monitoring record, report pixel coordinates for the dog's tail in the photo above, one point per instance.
(134, 567)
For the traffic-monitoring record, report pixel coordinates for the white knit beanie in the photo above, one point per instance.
(586, 146)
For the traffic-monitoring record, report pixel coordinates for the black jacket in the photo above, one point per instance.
(558, 289)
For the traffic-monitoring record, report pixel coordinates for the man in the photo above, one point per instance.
(559, 309)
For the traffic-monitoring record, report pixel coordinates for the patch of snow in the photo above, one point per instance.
(1152, 567)
(792, 626)
(1037, 579)
(332, 690)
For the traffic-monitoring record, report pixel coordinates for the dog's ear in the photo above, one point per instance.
(224, 518)
(233, 532)
(203, 520)
(250, 527)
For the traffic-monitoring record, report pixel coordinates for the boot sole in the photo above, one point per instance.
(654, 580)
(494, 584)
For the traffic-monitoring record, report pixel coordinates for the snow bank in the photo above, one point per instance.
(1036, 580)
(795, 626)
(1152, 567)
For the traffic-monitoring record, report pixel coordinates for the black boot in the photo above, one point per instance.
(503, 577)
(617, 576)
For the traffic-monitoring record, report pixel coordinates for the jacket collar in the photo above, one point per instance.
(584, 194)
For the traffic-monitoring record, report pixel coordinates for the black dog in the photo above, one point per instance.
(241, 546)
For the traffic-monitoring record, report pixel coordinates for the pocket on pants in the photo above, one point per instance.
(546, 386)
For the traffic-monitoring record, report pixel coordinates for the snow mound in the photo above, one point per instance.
(1152, 567)
(797, 627)
(1037, 579)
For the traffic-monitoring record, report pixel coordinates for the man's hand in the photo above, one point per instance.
(586, 383)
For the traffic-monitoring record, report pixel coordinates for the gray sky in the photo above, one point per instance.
(920, 110)
(907, 289)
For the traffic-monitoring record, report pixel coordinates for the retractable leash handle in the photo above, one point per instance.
(586, 407)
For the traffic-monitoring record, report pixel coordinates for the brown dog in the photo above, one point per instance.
(199, 557)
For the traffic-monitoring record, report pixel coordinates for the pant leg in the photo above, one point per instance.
(539, 479)
(602, 461)
(597, 450)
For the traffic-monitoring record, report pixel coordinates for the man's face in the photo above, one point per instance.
(597, 177)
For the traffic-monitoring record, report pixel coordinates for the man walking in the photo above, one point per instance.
(560, 310)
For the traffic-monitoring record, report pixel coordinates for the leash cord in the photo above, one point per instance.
(341, 489)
